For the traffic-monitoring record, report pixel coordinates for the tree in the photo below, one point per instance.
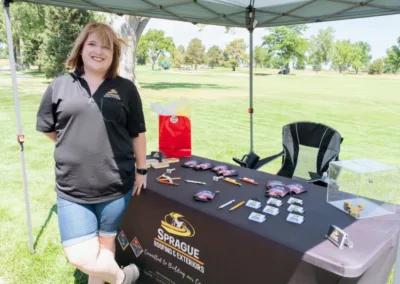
(300, 64)
(33, 52)
(262, 56)
(343, 55)
(214, 55)
(360, 56)
(277, 62)
(235, 53)
(315, 57)
(156, 44)
(131, 30)
(181, 49)
(258, 56)
(356, 57)
(393, 57)
(195, 53)
(321, 48)
(287, 42)
(61, 31)
(178, 58)
(141, 53)
(28, 25)
(376, 67)
(3, 52)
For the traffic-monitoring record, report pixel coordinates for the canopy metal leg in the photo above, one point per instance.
(251, 110)
(250, 24)
(396, 277)
(18, 117)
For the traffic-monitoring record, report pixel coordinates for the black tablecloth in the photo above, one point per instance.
(233, 248)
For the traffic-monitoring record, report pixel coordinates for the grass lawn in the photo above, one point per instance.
(364, 109)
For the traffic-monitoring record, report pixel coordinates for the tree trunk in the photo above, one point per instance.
(195, 67)
(17, 52)
(212, 65)
(17, 56)
(131, 30)
(233, 68)
(21, 50)
(19, 65)
(356, 71)
(153, 62)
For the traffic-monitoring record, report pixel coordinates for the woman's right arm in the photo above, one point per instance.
(51, 135)
(46, 115)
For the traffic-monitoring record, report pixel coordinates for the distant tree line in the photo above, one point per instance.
(280, 48)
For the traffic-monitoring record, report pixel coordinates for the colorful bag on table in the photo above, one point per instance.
(174, 136)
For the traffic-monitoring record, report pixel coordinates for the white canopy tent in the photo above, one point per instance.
(247, 14)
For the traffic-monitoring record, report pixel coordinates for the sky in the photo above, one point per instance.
(380, 32)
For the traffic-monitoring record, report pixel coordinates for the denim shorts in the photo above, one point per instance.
(79, 222)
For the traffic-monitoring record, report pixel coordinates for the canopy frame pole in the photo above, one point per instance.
(251, 109)
(396, 277)
(20, 136)
(250, 24)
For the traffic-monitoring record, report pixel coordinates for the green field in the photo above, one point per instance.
(364, 109)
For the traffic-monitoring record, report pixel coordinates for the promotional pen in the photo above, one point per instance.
(232, 181)
(236, 206)
(226, 204)
(245, 179)
(164, 179)
(166, 182)
(194, 181)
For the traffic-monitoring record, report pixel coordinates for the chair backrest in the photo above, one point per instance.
(308, 147)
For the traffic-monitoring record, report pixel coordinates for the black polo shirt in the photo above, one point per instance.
(94, 159)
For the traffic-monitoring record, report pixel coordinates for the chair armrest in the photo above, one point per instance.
(240, 162)
(267, 160)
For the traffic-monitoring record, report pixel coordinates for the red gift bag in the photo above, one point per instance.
(174, 136)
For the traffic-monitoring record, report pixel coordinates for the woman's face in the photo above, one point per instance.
(96, 57)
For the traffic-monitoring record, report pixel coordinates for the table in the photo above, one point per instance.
(218, 246)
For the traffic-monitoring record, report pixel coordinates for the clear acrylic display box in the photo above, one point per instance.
(363, 188)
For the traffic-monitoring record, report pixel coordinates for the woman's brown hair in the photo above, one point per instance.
(107, 36)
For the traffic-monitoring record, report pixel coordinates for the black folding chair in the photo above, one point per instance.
(308, 148)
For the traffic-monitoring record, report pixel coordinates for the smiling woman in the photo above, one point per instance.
(95, 49)
(95, 117)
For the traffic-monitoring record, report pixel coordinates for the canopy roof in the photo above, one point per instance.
(233, 12)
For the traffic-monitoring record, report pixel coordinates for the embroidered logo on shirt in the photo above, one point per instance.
(112, 94)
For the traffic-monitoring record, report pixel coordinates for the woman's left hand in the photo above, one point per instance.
(140, 182)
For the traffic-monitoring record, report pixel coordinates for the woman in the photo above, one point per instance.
(96, 120)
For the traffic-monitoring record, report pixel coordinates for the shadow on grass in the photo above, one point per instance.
(53, 209)
(262, 74)
(80, 277)
(167, 85)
